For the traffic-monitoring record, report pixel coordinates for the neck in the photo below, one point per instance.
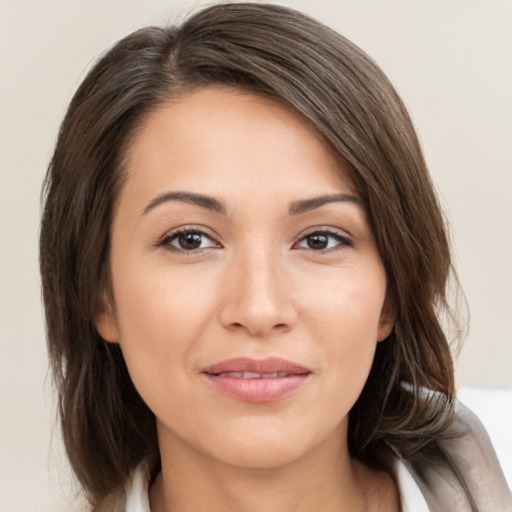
(325, 478)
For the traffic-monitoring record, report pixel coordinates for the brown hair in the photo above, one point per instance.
(282, 54)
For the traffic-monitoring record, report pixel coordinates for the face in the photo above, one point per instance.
(248, 291)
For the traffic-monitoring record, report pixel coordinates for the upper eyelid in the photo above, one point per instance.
(190, 227)
(324, 229)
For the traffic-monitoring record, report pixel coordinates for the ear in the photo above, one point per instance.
(386, 321)
(106, 321)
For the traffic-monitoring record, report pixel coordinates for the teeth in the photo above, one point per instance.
(253, 375)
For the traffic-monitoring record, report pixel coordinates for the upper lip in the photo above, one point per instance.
(246, 364)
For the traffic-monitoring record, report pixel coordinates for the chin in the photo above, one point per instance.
(261, 455)
(270, 446)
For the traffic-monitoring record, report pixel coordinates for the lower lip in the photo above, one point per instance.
(257, 390)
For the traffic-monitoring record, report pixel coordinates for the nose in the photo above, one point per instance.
(258, 295)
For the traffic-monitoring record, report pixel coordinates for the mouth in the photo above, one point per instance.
(252, 375)
(252, 380)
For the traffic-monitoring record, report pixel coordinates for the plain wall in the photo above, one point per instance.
(449, 59)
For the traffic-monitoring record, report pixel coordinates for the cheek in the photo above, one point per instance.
(161, 315)
(163, 303)
(346, 304)
(343, 316)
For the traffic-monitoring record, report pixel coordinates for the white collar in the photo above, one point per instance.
(136, 488)
(410, 494)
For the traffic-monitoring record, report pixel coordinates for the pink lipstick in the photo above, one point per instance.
(252, 380)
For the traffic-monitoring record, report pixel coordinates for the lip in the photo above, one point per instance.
(267, 365)
(256, 380)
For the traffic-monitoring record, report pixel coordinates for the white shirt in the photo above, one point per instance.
(137, 499)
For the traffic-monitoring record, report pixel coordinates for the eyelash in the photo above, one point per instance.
(166, 241)
(341, 241)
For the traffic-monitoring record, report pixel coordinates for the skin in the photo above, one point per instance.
(254, 287)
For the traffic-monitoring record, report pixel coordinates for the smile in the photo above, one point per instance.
(251, 380)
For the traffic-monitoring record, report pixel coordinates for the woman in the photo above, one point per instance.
(244, 267)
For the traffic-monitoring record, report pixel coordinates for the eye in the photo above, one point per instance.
(188, 240)
(323, 240)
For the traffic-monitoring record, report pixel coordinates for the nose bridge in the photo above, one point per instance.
(258, 298)
(261, 278)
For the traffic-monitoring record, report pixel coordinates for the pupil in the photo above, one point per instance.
(317, 241)
(190, 240)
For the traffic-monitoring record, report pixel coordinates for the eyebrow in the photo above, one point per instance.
(306, 205)
(187, 197)
(210, 203)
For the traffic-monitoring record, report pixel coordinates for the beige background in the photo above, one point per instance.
(450, 60)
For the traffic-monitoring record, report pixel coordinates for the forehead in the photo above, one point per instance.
(223, 140)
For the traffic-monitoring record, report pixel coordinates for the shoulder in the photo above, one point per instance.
(465, 474)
